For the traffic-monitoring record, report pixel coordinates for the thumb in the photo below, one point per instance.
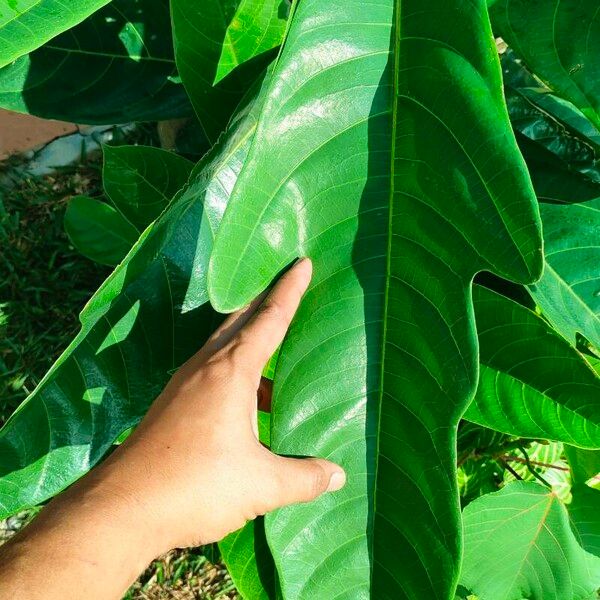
(304, 479)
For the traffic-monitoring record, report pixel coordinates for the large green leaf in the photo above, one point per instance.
(98, 231)
(540, 557)
(560, 42)
(569, 291)
(141, 180)
(532, 383)
(27, 24)
(399, 190)
(147, 318)
(210, 37)
(117, 66)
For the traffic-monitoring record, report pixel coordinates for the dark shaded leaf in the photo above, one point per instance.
(115, 67)
(98, 231)
(141, 180)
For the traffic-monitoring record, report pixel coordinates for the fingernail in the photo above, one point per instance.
(337, 481)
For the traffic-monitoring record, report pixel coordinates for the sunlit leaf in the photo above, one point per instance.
(542, 558)
(532, 383)
(27, 24)
(399, 191)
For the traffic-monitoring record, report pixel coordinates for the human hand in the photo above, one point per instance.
(195, 466)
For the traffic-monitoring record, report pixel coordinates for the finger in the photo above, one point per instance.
(232, 325)
(304, 479)
(266, 328)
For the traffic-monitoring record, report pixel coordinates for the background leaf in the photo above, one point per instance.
(559, 42)
(27, 24)
(98, 231)
(256, 27)
(532, 383)
(115, 67)
(584, 511)
(359, 379)
(542, 558)
(569, 291)
(145, 321)
(141, 180)
(205, 35)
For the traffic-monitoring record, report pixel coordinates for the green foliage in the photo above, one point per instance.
(116, 66)
(531, 383)
(366, 293)
(540, 557)
(98, 231)
(560, 42)
(27, 24)
(569, 291)
(211, 39)
(141, 181)
(378, 143)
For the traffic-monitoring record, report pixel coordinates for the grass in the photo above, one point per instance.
(44, 283)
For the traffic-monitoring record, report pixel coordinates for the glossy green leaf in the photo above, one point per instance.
(207, 36)
(584, 511)
(532, 383)
(27, 24)
(98, 231)
(115, 67)
(141, 180)
(399, 199)
(569, 291)
(146, 320)
(256, 27)
(540, 556)
(559, 42)
(248, 559)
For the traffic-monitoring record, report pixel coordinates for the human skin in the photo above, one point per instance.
(192, 472)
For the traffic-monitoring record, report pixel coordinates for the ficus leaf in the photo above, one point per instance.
(27, 24)
(532, 383)
(141, 180)
(559, 42)
(115, 67)
(569, 291)
(377, 155)
(98, 231)
(542, 558)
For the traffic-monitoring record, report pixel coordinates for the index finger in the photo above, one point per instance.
(264, 332)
